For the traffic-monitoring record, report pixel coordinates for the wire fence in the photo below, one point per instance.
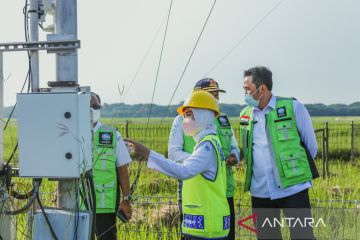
(336, 140)
(155, 212)
(158, 218)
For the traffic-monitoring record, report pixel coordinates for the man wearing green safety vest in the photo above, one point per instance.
(181, 146)
(110, 160)
(279, 147)
(204, 206)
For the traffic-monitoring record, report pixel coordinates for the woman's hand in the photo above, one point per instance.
(138, 148)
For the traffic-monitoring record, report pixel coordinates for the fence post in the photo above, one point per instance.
(127, 129)
(323, 154)
(327, 148)
(352, 140)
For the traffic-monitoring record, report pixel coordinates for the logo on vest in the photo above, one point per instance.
(226, 222)
(105, 137)
(224, 121)
(221, 152)
(194, 221)
(244, 120)
(281, 112)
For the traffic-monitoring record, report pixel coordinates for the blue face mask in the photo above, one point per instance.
(251, 101)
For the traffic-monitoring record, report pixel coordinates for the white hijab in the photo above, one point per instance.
(204, 119)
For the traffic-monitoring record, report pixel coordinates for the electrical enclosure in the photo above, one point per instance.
(64, 224)
(54, 134)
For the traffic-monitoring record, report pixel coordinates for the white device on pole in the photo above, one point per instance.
(64, 224)
(54, 134)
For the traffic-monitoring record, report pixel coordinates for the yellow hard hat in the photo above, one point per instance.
(200, 99)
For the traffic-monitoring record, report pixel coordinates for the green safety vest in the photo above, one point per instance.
(224, 132)
(205, 209)
(104, 169)
(294, 164)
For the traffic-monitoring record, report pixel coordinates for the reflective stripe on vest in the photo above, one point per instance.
(223, 130)
(204, 205)
(292, 163)
(104, 169)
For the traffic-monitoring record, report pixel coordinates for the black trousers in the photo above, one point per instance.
(106, 226)
(296, 206)
(231, 235)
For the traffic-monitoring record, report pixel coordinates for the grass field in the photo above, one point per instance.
(155, 211)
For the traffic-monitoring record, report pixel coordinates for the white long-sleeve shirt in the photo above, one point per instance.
(201, 161)
(176, 142)
(263, 183)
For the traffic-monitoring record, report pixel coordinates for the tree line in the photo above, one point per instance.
(233, 110)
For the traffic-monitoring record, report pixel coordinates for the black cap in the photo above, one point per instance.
(208, 84)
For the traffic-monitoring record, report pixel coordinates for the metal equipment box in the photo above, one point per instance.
(54, 134)
(66, 225)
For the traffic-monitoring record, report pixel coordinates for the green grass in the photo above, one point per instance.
(156, 216)
(155, 212)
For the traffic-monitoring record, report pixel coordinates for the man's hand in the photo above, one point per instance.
(232, 160)
(125, 207)
(138, 148)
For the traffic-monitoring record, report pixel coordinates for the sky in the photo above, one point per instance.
(311, 46)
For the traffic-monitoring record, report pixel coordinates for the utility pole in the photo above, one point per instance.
(1, 111)
(66, 25)
(34, 37)
(72, 160)
(34, 75)
(5, 221)
(66, 71)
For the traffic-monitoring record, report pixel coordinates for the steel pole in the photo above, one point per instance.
(66, 70)
(1, 111)
(34, 37)
(6, 229)
(66, 25)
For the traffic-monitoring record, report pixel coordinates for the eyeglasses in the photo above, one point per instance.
(96, 107)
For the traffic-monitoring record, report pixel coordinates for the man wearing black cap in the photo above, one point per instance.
(181, 146)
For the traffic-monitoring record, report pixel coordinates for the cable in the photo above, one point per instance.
(133, 185)
(28, 204)
(143, 59)
(27, 38)
(13, 109)
(244, 37)
(158, 68)
(9, 118)
(87, 186)
(46, 217)
(77, 215)
(27, 78)
(187, 63)
(12, 155)
(12, 192)
(93, 198)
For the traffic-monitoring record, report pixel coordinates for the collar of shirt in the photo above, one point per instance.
(203, 133)
(271, 104)
(97, 126)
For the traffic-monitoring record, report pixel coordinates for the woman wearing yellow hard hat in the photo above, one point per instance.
(204, 206)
